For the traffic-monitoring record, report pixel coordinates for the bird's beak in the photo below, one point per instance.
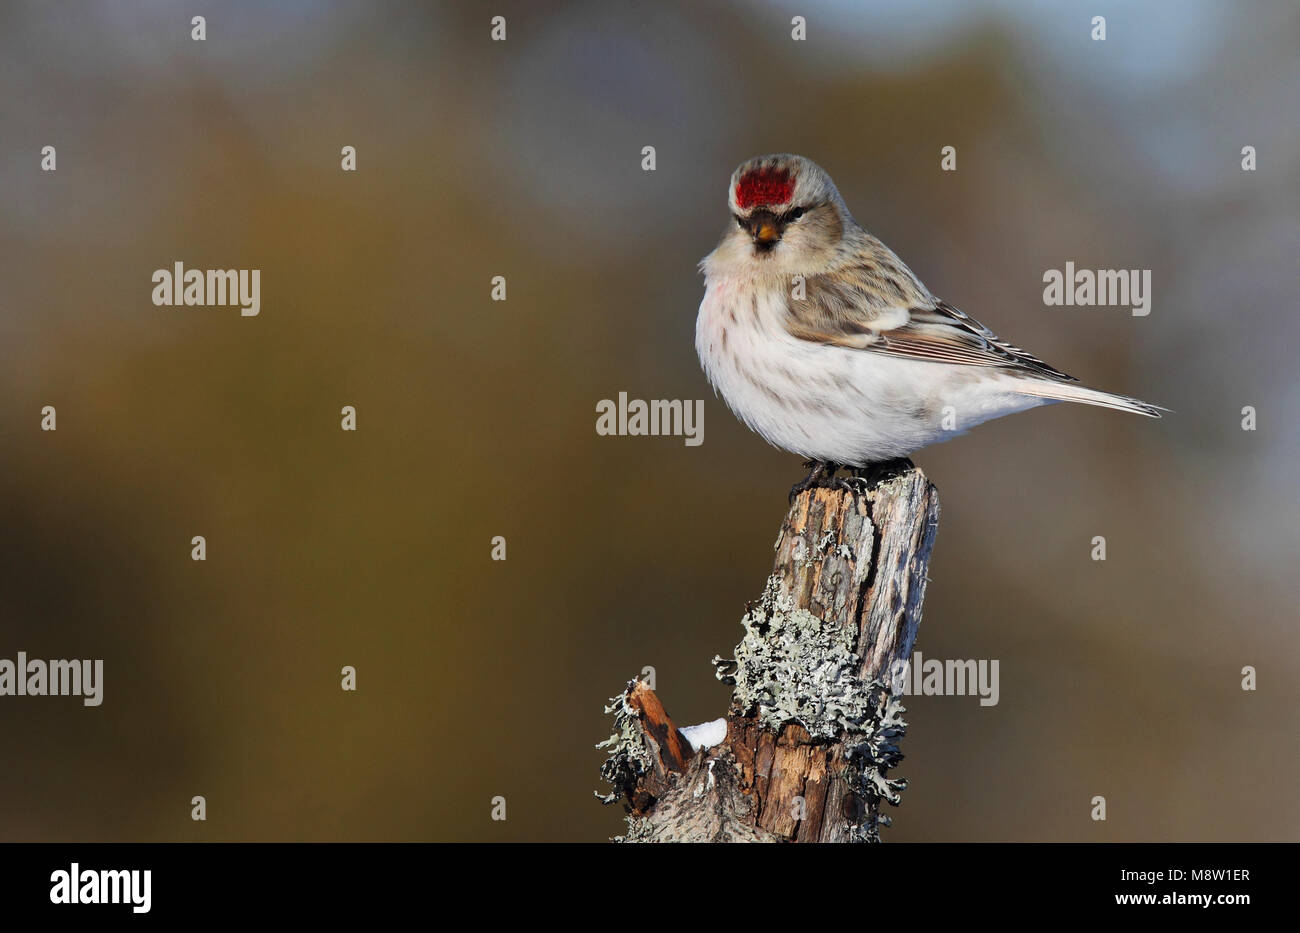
(763, 228)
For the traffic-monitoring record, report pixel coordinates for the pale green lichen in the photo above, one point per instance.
(629, 758)
(791, 668)
(871, 756)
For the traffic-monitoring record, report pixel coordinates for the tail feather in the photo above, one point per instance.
(1071, 392)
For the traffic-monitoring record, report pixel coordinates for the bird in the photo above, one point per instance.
(822, 341)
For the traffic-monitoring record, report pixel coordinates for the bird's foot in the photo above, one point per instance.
(820, 474)
(861, 480)
(872, 474)
(855, 484)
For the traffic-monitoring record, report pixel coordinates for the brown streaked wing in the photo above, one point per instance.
(971, 341)
(871, 308)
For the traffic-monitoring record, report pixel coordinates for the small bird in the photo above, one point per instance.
(826, 344)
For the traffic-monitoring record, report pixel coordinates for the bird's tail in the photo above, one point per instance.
(1072, 392)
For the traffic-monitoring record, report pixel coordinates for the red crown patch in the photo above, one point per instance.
(764, 186)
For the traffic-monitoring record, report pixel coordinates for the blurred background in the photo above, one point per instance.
(476, 418)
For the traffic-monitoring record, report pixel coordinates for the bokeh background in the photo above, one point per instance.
(476, 418)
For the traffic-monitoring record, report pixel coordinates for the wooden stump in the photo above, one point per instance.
(815, 716)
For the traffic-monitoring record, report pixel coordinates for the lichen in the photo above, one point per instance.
(629, 758)
(707, 804)
(790, 667)
(703, 805)
(871, 755)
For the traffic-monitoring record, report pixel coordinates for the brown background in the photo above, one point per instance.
(477, 418)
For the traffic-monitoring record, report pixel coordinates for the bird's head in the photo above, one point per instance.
(786, 212)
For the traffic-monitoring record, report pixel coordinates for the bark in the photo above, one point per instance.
(813, 727)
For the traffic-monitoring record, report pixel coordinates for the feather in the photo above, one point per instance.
(876, 304)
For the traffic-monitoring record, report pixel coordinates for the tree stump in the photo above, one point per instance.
(815, 718)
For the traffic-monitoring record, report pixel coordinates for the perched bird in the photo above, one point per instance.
(826, 344)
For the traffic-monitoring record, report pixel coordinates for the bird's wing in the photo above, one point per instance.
(880, 307)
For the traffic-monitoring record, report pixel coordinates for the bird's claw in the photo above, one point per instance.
(857, 485)
(820, 474)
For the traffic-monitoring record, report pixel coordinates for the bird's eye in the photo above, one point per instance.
(796, 213)
(740, 221)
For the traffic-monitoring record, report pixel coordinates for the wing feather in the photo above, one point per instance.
(879, 306)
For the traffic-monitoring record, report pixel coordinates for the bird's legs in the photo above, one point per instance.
(820, 473)
(881, 470)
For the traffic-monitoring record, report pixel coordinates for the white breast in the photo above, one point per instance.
(825, 402)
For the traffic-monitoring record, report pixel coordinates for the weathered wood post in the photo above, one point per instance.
(814, 722)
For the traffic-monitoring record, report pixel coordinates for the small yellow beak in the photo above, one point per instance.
(766, 231)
